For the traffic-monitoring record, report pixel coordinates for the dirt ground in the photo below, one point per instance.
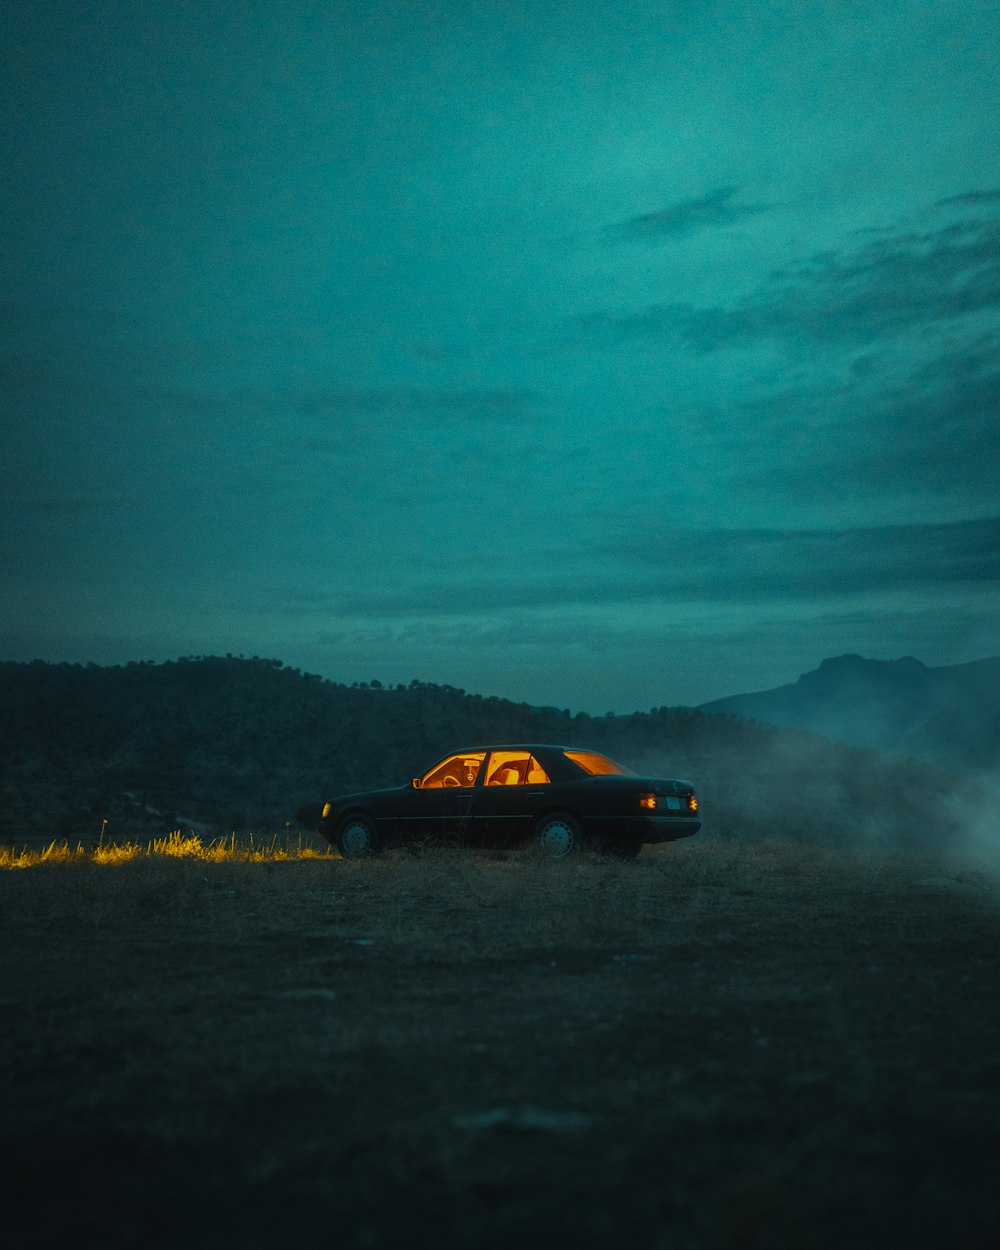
(718, 1045)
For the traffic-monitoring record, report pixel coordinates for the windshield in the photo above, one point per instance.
(597, 765)
(456, 770)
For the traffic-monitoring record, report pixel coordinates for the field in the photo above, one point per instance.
(722, 1044)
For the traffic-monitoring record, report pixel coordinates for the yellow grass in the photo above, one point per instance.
(175, 845)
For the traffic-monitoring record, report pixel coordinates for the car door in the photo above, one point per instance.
(514, 788)
(446, 797)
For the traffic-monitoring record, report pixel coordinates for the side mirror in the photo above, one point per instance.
(415, 783)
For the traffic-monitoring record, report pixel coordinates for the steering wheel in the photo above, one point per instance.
(449, 780)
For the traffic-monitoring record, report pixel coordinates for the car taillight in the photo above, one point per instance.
(692, 803)
(647, 800)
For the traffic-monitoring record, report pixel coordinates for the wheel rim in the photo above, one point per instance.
(356, 838)
(557, 839)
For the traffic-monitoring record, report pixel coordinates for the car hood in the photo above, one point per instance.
(368, 794)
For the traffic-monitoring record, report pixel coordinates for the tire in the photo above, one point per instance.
(357, 837)
(558, 836)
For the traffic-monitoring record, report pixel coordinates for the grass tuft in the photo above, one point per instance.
(175, 845)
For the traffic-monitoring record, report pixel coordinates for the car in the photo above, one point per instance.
(563, 800)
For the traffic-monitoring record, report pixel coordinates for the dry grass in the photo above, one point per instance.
(417, 902)
(174, 845)
(721, 1044)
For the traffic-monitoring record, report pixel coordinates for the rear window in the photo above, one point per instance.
(597, 765)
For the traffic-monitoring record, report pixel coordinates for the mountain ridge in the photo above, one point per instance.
(219, 743)
(948, 716)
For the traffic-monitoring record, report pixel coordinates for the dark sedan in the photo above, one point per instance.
(563, 800)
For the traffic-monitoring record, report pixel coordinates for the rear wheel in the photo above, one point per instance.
(559, 835)
(358, 837)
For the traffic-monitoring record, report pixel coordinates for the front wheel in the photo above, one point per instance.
(559, 835)
(358, 837)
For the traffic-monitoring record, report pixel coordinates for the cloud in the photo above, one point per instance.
(882, 289)
(662, 564)
(946, 442)
(926, 433)
(970, 198)
(711, 212)
(767, 562)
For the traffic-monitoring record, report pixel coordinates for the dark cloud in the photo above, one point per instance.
(711, 212)
(947, 439)
(650, 563)
(882, 289)
(765, 562)
(970, 198)
(930, 432)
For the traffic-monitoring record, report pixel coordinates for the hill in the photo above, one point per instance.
(220, 744)
(948, 716)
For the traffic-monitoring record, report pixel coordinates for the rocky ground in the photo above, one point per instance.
(719, 1045)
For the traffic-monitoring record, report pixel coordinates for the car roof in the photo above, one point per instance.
(519, 746)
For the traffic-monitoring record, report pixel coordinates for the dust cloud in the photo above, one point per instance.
(977, 843)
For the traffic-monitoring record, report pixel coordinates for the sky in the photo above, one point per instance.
(604, 355)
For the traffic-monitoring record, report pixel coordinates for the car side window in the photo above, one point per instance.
(536, 775)
(456, 770)
(515, 768)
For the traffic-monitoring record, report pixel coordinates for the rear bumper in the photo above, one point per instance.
(645, 828)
